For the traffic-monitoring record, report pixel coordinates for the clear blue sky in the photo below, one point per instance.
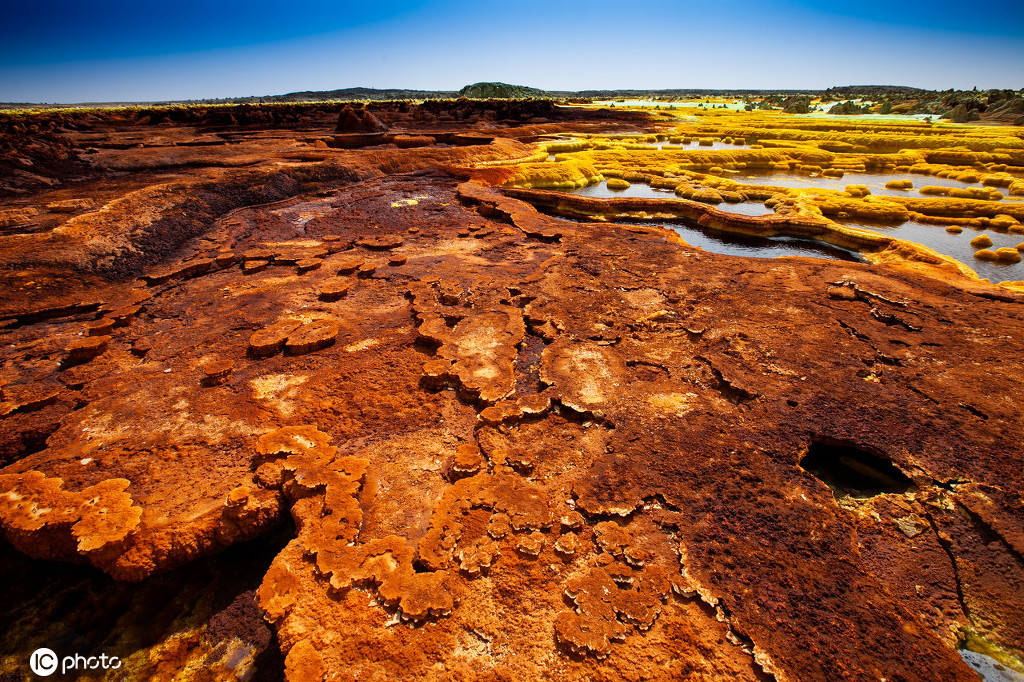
(124, 50)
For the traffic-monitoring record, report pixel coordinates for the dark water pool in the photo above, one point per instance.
(735, 244)
(758, 247)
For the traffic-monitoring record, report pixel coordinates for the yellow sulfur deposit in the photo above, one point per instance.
(705, 194)
(1003, 223)
(997, 180)
(982, 241)
(983, 166)
(566, 175)
(1008, 255)
(1003, 255)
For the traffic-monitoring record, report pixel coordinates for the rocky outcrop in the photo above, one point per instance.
(358, 120)
(32, 159)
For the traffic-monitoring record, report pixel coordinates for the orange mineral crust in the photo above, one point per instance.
(497, 443)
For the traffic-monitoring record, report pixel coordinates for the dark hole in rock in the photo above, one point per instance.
(852, 471)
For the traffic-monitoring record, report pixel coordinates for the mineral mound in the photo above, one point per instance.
(449, 434)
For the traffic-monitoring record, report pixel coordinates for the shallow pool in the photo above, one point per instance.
(990, 669)
(639, 190)
(735, 244)
(957, 245)
(933, 236)
(874, 181)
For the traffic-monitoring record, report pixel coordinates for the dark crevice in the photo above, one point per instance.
(35, 441)
(867, 296)
(730, 391)
(888, 360)
(426, 346)
(648, 371)
(851, 471)
(893, 320)
(740, 639)
(46, 314)
(975, 411)
(659, 499)
(945, 544)
(921, 393)
(527, 364)
(988, 534)
(853, 332)
(575, 416)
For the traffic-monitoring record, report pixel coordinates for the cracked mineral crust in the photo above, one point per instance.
(506, 445)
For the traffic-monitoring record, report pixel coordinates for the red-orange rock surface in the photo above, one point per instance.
(538, 449)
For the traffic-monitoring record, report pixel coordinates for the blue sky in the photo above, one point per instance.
(117, 50)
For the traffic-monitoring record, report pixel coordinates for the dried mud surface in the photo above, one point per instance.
(512, 446)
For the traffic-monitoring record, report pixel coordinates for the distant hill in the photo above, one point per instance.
(1004, 105)
(872, 91)
(500, 91)
(474, 91)
(361, 94)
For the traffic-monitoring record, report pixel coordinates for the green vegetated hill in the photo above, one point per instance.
(475, 91)
(500, 91)
(361, 94)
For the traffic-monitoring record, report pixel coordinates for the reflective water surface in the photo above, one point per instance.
(641, 191)
(989, 668)
(933, 236)
(958, 246)
(874, 181)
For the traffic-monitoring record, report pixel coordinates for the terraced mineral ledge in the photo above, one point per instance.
(445, 419)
